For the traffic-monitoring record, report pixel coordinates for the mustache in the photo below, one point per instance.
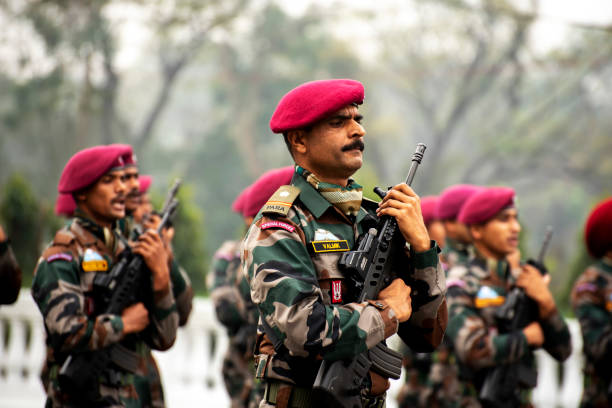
(133, 193)
(118, 199)
(357, 144)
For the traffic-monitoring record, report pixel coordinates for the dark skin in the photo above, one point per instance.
(498, 239)
(104, 203)
(132, 198)
(332, 149)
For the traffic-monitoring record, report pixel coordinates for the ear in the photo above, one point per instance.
(80, 197)
(297, 140)
(475, 231)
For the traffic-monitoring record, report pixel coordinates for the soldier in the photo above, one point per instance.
(232, 297)
(478, 289)
(10, 272)
(63, 283)
(458, 241)
(295, 280)
(592, 304)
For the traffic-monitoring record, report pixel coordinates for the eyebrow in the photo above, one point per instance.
(357, 117)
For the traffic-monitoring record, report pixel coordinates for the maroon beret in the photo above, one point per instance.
(313, 101)
(129, 158)
(598, 229)
(264, 187)
(429, 206)
(88, 165)
(485, 204)
(144, 181)
(238, 204)
(452, 199)
(65, 205)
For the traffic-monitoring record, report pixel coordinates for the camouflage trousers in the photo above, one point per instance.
(239, 378)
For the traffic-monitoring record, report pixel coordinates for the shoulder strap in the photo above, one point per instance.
(281, 201)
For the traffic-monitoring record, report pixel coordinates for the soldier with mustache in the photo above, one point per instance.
(478, 288)
(63, 283)
(291, 251)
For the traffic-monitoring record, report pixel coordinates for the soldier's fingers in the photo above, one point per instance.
(405, 189)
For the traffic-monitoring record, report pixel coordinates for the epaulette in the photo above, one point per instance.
(62, 247)
(280, 202)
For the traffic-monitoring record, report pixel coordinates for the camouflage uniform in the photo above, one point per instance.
(432, 379)
(10, 274)
(475, 291)
(63, 288)
(592, 303)
(234, 308)
(302, 299)
(455, 253)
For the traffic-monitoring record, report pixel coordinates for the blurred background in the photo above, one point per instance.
(502, 92)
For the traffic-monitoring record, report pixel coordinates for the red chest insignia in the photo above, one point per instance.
(336, 291)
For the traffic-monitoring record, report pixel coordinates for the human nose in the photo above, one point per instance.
(358, 130)
(120, 186)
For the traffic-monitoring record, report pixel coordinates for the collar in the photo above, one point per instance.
(493, 267)
(316, 203)
(606, 264)
(102, 233)
(310, 197)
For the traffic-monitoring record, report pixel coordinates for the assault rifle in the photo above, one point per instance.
(127, 283)
(368, 269)
(501, 385)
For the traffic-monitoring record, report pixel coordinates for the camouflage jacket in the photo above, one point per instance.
(592, 304)
(455, 253)
(475, 291)
(10, 274)
(231, 296)
(63, 291)
(290, 256)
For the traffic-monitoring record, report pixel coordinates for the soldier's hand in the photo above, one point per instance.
(397, 296)
(534, 334)
(152, 221)
(153, 250)
(404, 204)
(536, 287)
(135, 318)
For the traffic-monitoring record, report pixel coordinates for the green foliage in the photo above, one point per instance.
(22, 219)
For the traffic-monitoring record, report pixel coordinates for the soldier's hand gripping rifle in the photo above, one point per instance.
(502, 384)
(369, 269)
(127, 283)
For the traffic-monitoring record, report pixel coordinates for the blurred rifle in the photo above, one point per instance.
(503, 383)
(128, 282)
(369, 269)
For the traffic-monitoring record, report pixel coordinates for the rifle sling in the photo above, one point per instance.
(123, 357)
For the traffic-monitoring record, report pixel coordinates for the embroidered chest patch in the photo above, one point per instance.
(93, 261)
(488, 297)
(330, 246)
(336, 291)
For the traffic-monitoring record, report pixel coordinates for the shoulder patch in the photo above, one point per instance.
(277, 224)
(62, 255)
(280, 202)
